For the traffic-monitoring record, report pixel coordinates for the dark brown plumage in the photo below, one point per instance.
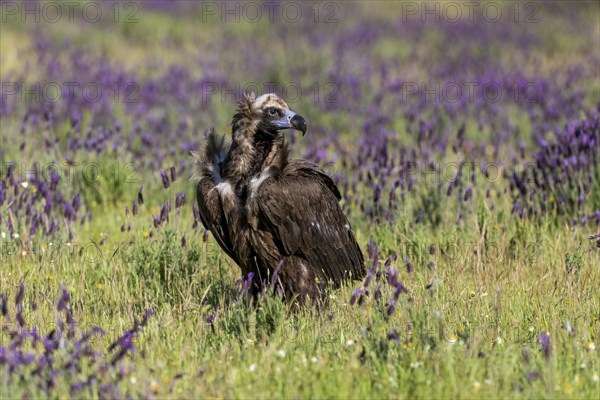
(263, 208)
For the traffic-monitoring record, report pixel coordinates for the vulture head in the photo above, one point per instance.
(265, 117)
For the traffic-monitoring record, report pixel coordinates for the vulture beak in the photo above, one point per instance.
(291, 120)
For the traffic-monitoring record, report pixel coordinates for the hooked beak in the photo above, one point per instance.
(291, 120)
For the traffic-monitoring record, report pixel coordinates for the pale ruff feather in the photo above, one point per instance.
(228, 197)
(256, 182)
(250, 206)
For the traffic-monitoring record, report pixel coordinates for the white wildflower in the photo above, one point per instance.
(570, 328)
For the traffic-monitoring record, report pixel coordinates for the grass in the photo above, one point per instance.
(469, 326)
(487, 306)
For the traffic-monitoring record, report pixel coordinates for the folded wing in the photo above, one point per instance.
(300, 208)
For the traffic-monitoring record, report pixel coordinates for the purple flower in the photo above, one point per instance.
(173, 173)
(544, 340)
(11, 169)
(164, 211)
(468, 194)
(393, 335)
(533, 375)
(76, 202)
(247, 283)
(400, 288)
(391, 276)
(165, 179)
(54, 178)
(420, 217)
(371, 248)
(409, 266)
(179, 200)
(20, 294)
(389, 260)
(27, 358)
(368, 278)
(391, 308)
(140, 196)
(276, 272)
(34, 227)
(377, 193)
(377, 294)
(3, 305)
(19, 317)
(149, 312)
(210, 319)
(64, 300)
(355, 295)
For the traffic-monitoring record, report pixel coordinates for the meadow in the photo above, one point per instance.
(467, 152)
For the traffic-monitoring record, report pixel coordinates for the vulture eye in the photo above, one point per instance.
(272, 112)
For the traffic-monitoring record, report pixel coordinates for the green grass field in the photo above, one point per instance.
(484, 286)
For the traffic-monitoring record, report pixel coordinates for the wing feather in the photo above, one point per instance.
(211, 215)
(209, 201)
(300, 208)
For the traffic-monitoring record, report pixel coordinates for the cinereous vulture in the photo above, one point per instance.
(272, 215)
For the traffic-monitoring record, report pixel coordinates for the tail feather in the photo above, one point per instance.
(209, 161)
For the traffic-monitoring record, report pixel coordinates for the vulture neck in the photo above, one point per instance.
(250, 155)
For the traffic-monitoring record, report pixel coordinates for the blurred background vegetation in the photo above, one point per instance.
(480, 206)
